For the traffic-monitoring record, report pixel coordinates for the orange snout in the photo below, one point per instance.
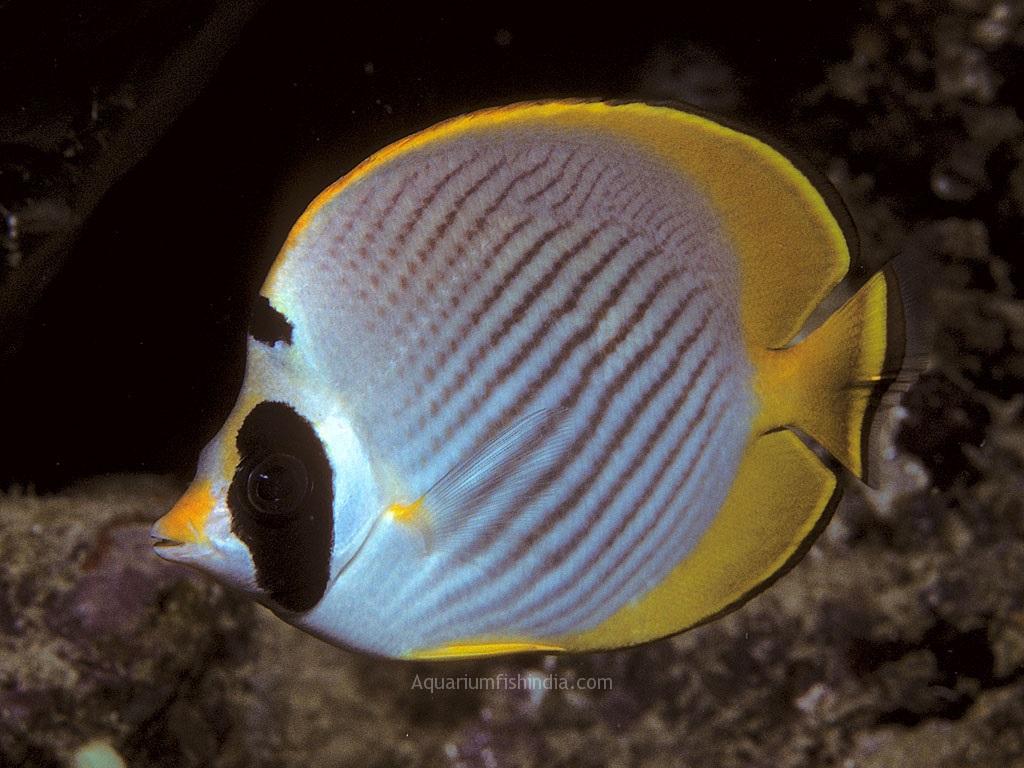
(186, 522)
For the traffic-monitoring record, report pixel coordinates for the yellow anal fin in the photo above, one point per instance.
(780, 497)
(825, 385)
(481, 649)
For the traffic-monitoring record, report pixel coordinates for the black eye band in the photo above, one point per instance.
(281, 502)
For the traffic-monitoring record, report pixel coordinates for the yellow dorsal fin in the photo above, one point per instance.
(788, 241)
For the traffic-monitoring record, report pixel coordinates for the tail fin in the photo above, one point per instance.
(838, 383)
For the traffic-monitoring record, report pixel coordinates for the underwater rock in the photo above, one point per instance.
(98, 638)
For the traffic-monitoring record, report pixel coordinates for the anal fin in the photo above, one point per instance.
(469, 650)
(781, 497)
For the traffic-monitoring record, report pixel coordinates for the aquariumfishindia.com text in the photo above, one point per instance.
(504, 682)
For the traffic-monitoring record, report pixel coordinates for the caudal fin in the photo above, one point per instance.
(836, 383)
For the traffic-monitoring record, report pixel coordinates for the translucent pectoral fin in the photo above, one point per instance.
(500, 478)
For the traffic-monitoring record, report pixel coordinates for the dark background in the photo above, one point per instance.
(133, 355)
(128, 350)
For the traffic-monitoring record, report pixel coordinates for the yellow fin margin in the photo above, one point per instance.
(781, 496)
(481, 649)
(788, 242)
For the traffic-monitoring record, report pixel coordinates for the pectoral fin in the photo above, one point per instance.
(493, 481)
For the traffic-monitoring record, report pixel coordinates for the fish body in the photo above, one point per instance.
(527, 381)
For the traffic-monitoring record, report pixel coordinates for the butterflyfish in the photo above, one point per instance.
(541, 378)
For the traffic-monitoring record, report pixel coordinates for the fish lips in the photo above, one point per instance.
(178, 551)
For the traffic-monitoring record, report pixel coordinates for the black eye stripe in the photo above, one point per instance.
(284, 516)
(268, 325)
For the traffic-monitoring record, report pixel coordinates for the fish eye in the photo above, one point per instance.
(277, 485)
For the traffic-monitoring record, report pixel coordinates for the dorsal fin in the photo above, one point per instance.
(789, 240)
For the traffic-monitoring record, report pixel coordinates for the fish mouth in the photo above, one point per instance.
(159, 542)
(181, 532)
(187, 552)
(173, 549)
(168, 549)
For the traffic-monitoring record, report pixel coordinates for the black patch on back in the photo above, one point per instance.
(290, 546)
(268, 325)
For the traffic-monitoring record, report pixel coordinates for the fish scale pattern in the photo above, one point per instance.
(461, 287)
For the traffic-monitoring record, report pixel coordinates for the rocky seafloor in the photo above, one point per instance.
(897, 641)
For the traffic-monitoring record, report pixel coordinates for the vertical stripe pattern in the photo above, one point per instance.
(468, 284)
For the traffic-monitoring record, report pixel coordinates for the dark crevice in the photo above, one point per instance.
(965, 667)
